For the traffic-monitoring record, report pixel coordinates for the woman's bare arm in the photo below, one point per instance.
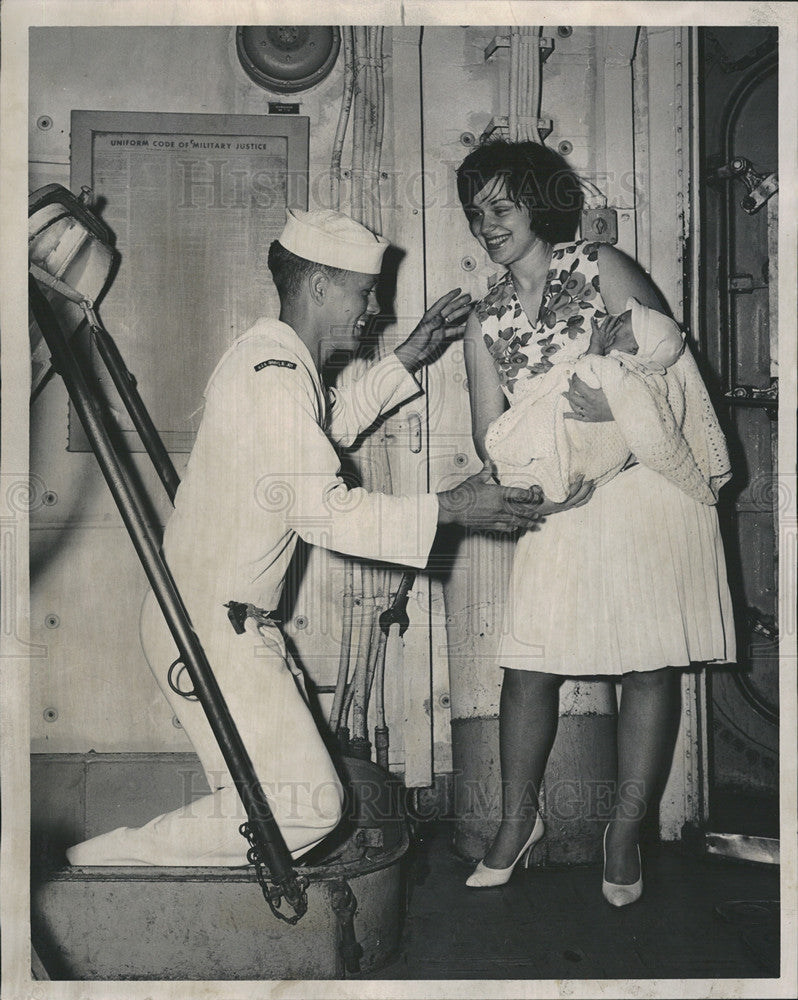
(484, 392)
(621, 279)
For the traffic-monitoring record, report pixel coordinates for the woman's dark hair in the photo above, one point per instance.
(289, 271)
(534, 176)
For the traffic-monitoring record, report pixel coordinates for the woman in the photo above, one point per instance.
(630, 584)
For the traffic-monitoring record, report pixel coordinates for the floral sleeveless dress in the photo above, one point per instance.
(571, 298)
(635, 579)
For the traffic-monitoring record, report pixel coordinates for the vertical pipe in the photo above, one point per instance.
(537, 84)
(366, 70)
(358, 127)
(381, 736)
(337, 715)
(642, 145)
(523, 85)
(343, 121)
(360, 688)
(346, 643)
(380, 100)
(378, 448)
(373, 459)
(512, 118)
(371, 134)
(361, 593)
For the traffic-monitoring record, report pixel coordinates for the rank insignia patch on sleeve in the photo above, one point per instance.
(280, 362)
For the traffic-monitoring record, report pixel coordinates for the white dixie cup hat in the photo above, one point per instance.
(333, 239)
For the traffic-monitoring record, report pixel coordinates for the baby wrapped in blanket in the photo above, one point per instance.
(662, 415)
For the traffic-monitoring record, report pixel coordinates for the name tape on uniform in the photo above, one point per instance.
(280, 362)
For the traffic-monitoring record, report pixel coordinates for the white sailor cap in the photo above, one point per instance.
(334, 239)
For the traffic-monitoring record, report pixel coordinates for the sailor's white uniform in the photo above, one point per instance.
(263, 472)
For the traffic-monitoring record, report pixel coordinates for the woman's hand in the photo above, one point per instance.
(581, 492)
(438, 325)
(479, 504)
(588, 404)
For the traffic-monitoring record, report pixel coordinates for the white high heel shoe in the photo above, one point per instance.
(483, 877)
(621, 895)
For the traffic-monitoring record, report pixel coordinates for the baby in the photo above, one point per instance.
(533, 443)
(615, 333)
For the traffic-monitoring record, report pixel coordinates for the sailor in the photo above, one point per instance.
(262, 473)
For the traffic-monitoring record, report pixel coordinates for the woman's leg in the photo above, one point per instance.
(528, 716)
(647, 724)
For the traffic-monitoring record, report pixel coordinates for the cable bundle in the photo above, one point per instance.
(525, 85)
(366, 588)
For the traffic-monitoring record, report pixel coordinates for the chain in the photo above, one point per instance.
(271, 893)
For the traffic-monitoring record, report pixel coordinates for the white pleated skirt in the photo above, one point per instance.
(635, 579)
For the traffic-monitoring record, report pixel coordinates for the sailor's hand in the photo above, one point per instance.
(478, 503)
(439, 325)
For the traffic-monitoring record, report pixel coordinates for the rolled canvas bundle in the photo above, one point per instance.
(70, 244)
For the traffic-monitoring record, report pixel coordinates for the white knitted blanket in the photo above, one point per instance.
(665, 420)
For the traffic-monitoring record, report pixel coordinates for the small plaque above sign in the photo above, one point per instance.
(282, 108)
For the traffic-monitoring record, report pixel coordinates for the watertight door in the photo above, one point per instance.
(740, 325)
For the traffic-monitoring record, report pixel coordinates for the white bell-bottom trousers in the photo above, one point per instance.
(269, 709)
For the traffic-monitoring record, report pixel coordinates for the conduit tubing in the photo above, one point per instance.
(364, 94)
(372, 464)
(524, 85)
(512, 117)
(343, 121)
(364, 592)
(346, 642)
(380, 103)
